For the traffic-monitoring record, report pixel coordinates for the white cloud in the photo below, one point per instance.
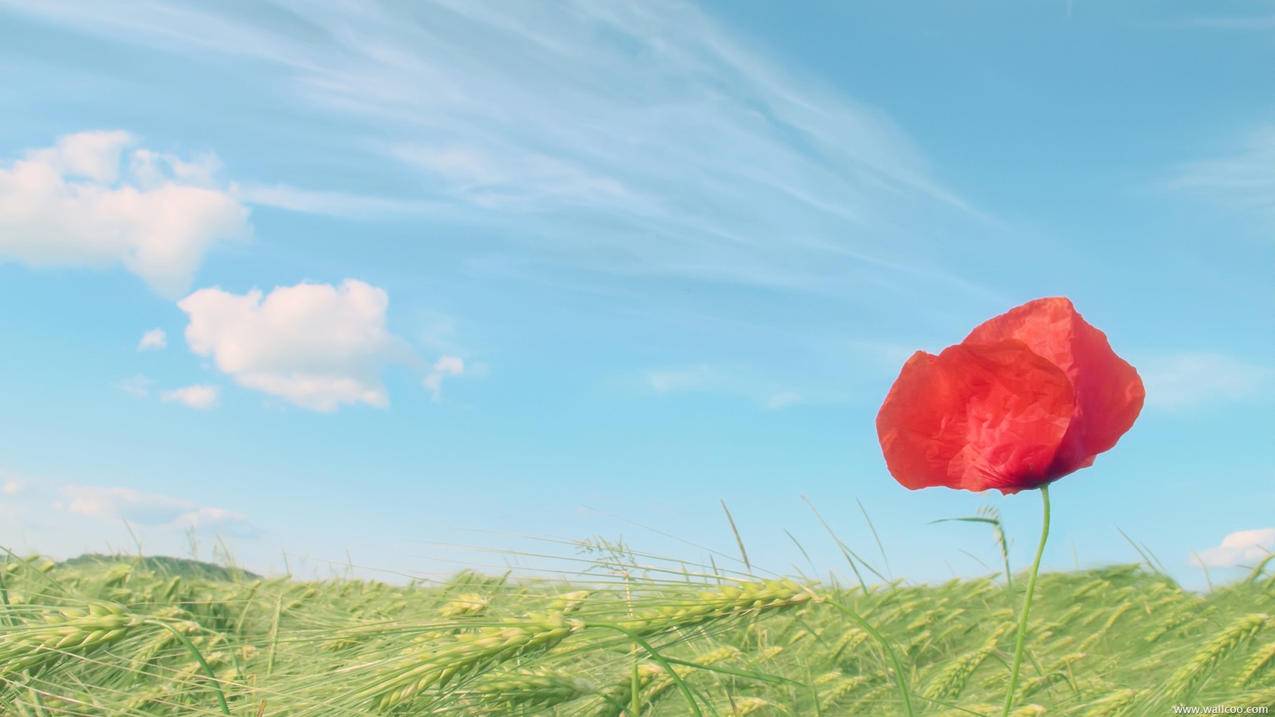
(114, 503)
(442, 368)
(691, 378)
(1189, 379)
(211, 518)
(887, 356)
(511, 179)
(1243, 547)
(65, 519)
(341, 204)
(1237, 22)
(12, 483)
(783, 399)
(153, 340)
(200, 397)
(197, 396)
(641, 138)
(1245, 178)
(138, 386)
(94, 199)
(315, 345)
(725, 381)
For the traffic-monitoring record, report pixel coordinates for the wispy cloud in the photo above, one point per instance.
(1243, 547)
(1244, 178)
(67, 518)
(726, 381)
(886, 356)
(342, 204)
(1189, 379)
(688, 378)
(1231, 22)
(138, 386)
(783, 399)
(644, 139)
(151, 509)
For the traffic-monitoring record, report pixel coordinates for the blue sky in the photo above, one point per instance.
(368, 283)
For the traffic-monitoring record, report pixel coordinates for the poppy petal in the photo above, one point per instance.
(1109, 393)
(976, 416)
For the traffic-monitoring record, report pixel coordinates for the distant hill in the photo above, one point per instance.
(163, 565)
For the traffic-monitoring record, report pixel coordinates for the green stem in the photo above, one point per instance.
(1020, 639)
(212, 677)
(900, 679)
(274, 635)
(660, 659)
(4, 594)
(635, 695)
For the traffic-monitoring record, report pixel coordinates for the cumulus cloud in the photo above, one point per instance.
(317, 346)
(442, 368)
(1188, 379)
(153, 340)
(1243, 547)
(96, 199)
(200, 397)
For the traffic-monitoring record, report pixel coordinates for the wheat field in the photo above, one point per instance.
(620, 633)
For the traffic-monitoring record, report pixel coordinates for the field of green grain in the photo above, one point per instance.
(620, 634)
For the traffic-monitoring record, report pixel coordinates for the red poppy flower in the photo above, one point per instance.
(1028, 397)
